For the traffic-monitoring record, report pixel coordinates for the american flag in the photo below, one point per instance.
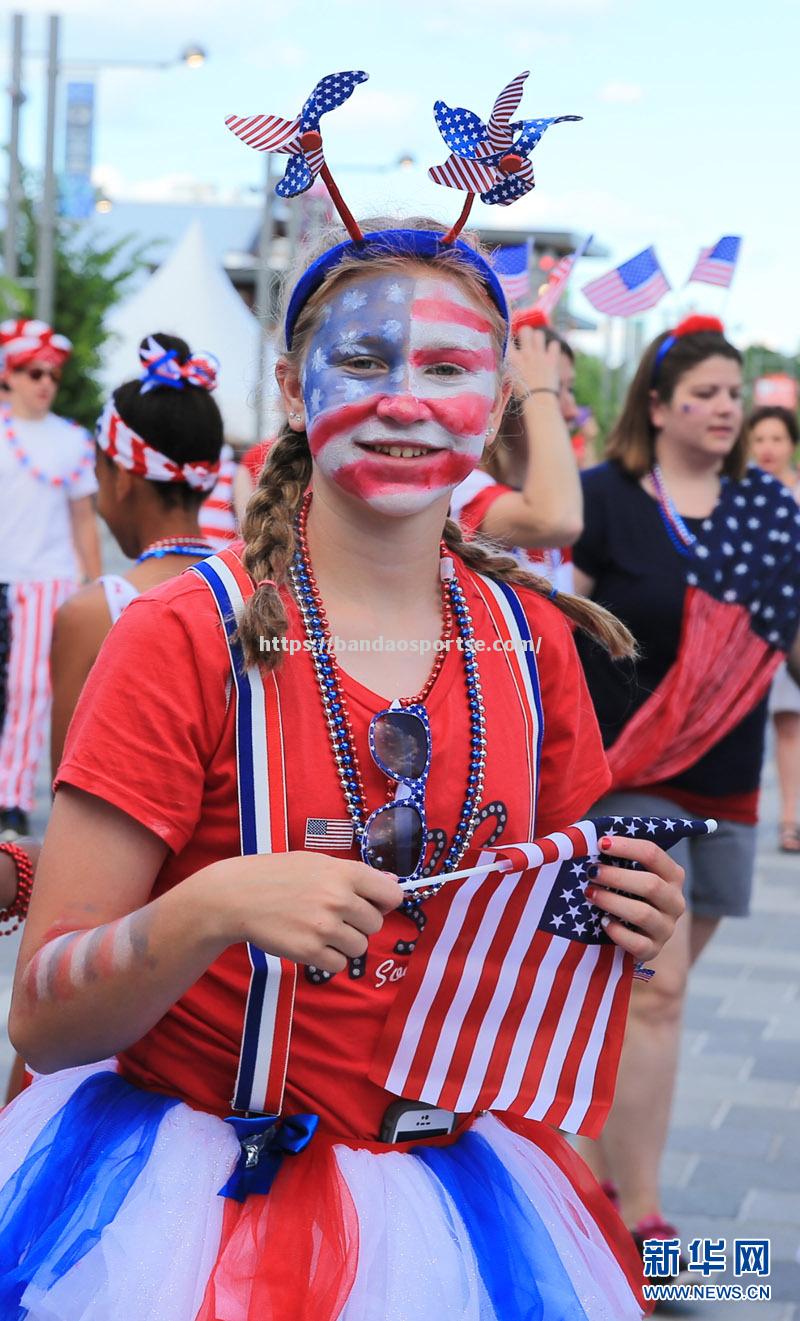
(515, 999)
(632, 287)
(559, 279)
(716, 265)
(322, 833)
(511, 266)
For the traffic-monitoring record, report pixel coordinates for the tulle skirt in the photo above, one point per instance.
(110, 1208)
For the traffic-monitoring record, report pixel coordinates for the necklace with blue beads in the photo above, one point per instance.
(190, 546)
(682, 539)
(334, 704)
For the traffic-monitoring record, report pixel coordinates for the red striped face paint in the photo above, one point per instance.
(399, 383)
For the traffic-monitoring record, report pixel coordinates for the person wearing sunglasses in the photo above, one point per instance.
(48, 542)
(265, 746)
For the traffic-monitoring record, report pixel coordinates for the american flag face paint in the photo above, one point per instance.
(399, 383)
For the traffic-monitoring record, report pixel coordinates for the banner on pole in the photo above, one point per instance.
(77, 193)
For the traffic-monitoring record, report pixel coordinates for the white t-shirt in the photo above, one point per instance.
(35, 529)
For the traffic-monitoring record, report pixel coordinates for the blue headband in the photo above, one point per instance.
(397, 242)
(663, 349)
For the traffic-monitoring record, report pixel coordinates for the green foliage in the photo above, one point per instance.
(600, 388)
(89, 280)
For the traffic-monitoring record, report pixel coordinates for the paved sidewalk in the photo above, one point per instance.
(733, 1165)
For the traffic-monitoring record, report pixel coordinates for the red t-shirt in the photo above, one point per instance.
(153, 734)
(255, 458)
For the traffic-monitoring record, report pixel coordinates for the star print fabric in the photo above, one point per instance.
(748, 553)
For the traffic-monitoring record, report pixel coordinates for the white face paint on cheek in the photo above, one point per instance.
(404, 363)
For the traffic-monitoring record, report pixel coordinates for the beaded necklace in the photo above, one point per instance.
(199, 550)
(337, 716)
(682, 539)
(25, 461)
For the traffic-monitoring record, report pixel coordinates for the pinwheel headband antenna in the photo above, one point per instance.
(489, 160)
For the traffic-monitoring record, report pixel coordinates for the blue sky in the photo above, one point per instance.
(690, 111)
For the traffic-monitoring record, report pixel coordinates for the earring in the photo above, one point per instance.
(295, 417)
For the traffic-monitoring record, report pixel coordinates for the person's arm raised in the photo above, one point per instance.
(548, 511)
(101, 963)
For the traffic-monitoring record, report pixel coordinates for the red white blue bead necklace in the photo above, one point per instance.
(682, 539)
(25, 461)
(334, 703)
(189, 546)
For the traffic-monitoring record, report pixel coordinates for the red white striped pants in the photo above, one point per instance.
(32, 607)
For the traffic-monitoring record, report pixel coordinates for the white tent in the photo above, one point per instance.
(190, 295)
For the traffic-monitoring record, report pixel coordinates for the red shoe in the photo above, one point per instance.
(612, 1192)
(654, 1227)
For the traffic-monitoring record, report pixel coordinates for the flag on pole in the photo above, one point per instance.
(633, 287)
(716, 265)
(559, 279)
(512, 268)
(515, 999)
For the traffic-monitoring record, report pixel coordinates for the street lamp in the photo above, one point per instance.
(193, 56)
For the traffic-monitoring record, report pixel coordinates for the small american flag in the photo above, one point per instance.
(511, 265)
(716, 265)
(515, 999)
(322, 833)
(559, 279)
(633, 287)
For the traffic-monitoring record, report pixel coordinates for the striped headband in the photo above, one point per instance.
(26, 340)
(121, 444)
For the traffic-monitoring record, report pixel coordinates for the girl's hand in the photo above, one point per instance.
(307, 907)
(657, 903)
(535, 364)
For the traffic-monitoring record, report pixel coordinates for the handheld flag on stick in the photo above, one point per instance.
(515, 999)
(635, 286)
(512, 269)
(716, 265)
(559, 279)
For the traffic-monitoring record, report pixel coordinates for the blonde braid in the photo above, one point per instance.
(483, 557)
(268, 531)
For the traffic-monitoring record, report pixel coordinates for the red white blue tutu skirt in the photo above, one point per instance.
(110, 1208)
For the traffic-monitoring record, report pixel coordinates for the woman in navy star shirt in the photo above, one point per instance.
(700, 556)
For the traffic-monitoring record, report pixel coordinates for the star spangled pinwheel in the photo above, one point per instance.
(301, 139)
(490, 159)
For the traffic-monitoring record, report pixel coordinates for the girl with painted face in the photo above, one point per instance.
(207, 873)
(772, 434)
(48, 541)
(699, 554)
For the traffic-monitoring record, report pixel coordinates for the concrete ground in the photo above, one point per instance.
(733, 1165)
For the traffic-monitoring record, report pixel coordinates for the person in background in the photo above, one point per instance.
(584, 438)
(218, 521)
(527, 494)
(699, 555)
(247, 475)
(48, 541)
(773, 435)
(151, 504)
(151, 514)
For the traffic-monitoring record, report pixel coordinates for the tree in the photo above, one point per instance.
(89, 280)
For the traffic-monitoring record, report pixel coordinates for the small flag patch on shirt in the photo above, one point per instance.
(324, 834)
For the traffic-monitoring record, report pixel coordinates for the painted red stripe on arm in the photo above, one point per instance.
(444, 309)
